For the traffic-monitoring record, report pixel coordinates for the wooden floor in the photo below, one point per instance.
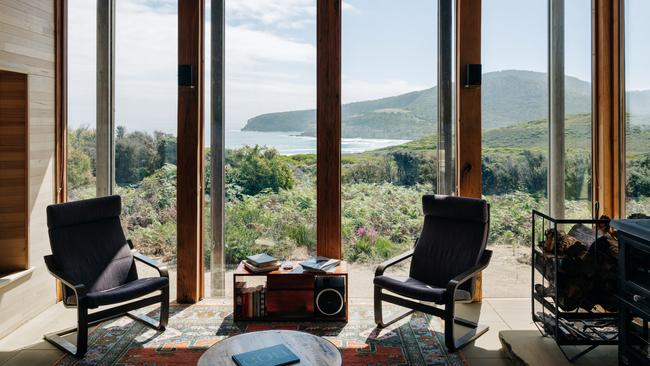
(508, 318)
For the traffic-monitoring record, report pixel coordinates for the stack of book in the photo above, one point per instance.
(319, 264)
(260, 263)
(250, 302)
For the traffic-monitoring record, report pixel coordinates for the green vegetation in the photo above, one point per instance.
(271, 199)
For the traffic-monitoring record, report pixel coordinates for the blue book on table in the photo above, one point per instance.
(277, 355)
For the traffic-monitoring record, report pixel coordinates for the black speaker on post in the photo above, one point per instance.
(329, 296)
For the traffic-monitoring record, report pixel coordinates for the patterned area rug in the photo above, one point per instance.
(415, 340)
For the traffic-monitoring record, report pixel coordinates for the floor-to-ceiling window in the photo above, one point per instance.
(270, 132)
(143, 151)
(515, 135)
(637, 108)
(82, 41)
(389, 129)
(145, 119)
(578, 102)
(515, 111)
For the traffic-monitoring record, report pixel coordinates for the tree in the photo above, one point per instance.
(408, 168)
(256, 169)
(139, 154)
(80, 164)
(638, 177)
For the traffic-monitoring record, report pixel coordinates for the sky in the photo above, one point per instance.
(389, 48)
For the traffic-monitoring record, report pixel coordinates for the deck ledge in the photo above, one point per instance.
(7, 279)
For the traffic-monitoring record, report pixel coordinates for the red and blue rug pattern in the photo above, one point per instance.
(415, 340)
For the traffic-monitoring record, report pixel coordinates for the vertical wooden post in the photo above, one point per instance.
(468, 106)
(468, 100)
(217, 148)
(61, 100)
(61, 109)
(608, 133)
(105, 130)
(190, 153)
(556, 149)
(328, 128)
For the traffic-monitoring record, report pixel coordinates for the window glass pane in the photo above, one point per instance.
(270, 123)
(637, 107)
(389, 111)
(145, 116)
(82, 54)
(515, 136)
(577, 44)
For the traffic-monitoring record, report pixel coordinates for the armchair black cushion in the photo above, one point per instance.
(453, 238)
(128, 291)
(448, 253)
(88, 243)
(410, 287)
(96, 265)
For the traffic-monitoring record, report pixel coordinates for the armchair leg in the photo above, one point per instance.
(84, 321)
(63, 344)
(164, 308)
(475, 331)
(82, 331)
(379, 316)
(164, 313)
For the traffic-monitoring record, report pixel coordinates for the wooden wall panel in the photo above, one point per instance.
(13, 171)
(27, 46)
(328, 129)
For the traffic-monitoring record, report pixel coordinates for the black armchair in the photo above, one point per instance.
(96, 266)
(449, 252)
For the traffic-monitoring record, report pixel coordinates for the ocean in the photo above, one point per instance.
(290, 143)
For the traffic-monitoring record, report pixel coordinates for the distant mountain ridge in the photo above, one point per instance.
(509, 97)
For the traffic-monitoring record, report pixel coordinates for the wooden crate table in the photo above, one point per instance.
(285, 295)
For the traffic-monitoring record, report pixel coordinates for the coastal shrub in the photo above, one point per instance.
(256, 169)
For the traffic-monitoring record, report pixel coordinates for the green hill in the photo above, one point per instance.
(533, 135)
(509, 97)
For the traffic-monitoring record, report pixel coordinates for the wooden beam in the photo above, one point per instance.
(190, 153)
(468, 107)
(61, 109)
(328, 128)
(468, 100)
(61, 100)
(608, 131)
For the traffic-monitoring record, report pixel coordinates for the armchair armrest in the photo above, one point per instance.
(161, 268)
(461, 278)
(391, 262)
(79, 289)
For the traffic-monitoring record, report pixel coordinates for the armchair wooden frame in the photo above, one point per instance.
(448, 313)
(86, 319)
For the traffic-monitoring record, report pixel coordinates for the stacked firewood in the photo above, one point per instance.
(586, 261)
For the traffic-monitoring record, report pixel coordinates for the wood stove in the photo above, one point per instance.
(634, 291)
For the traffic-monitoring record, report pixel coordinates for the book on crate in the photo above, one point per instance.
(250, 301)
(261, 263)
(277, 355)
(319, 264)
(262, 260)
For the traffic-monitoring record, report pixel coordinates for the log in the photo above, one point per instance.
(586, 273)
